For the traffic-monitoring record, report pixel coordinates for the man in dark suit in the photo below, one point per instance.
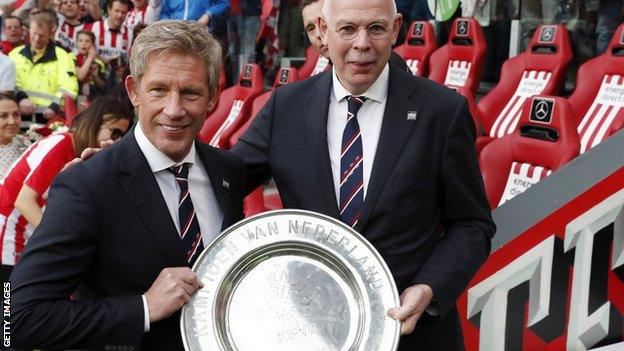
(389, 153)
(120, 230)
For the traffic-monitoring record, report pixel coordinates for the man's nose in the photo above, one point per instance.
(173, 106)
(362, 40)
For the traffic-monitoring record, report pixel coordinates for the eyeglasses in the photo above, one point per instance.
(116, 133)
(350, 31)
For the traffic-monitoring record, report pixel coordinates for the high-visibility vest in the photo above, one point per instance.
(46, 80)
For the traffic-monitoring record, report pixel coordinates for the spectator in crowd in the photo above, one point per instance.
(432, 227)
(25, 188)
(12, 29)
(243, 27)
(311, 13)
(45, 72)
(112, 224)
(90, 10)
(91, 71)
(70, 25)
(11, 145)
(143, 12)
(30, 7)
(7, 74)
(289, 28)
(211, 13)
(112, 37)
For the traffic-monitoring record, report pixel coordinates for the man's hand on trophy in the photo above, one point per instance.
(171, 290)
(414, 301)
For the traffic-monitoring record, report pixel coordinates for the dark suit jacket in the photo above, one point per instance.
(107, 228)
(425, 210)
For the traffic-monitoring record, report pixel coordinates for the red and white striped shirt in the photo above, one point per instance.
(36, 168)
(66, 35)
(112, 43)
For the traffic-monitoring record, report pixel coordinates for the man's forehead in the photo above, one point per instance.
(360, 13)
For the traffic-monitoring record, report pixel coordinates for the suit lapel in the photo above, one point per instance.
(220, 184)
(395, 130)
(315, 117)
(142, 189)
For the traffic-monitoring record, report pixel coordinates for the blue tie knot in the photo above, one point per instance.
(180, 171)
(354, 103)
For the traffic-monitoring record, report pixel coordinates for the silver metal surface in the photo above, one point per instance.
(291, 280)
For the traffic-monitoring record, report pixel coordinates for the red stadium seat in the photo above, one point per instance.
(314, 64)
(233, 108)
(459, 63)
(284, 76)
(598, 101)
(545, 139)
(418, 46)
(256, 202)
(539, 70)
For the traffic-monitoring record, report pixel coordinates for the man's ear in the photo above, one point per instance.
(214, 99)
(133, 90)
(396, 26)
(321, 24)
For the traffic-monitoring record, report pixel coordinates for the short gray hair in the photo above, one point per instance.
(178, 37)
(326, 5)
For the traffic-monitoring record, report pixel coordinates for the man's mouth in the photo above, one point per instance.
(172, 128)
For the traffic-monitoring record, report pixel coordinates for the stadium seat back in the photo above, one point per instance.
(540, 69)
(233, 108)
(598, 100)
(314, 63)
(284, 76)
(545, 140)
(418, 46)
(459, 63)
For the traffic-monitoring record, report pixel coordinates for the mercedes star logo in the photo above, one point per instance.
(548, 34)
(462, 28)
(541, 110)
(418, 29)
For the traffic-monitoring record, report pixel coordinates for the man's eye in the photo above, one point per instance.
(347, 30)
(377, 29)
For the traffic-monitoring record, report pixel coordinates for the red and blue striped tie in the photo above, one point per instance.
(351, 165)
(190, 233)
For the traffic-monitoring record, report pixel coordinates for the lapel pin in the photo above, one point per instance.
(411, 115)
(225, 184)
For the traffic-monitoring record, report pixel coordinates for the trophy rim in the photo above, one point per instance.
(362, 240)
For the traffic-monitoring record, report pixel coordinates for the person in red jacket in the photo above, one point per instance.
(25, 188)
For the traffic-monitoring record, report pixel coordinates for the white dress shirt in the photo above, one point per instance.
(370, 117)
(209, 214)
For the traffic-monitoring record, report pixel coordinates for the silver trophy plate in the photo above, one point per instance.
(291, 280)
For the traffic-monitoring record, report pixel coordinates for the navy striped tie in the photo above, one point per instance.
(351, 165)
(190, 233)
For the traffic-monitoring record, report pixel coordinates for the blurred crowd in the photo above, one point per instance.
(59, 55)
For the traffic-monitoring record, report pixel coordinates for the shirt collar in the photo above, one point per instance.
(378, 91)
(156, 159)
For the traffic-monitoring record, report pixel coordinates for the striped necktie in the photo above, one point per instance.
(351, 167)
(190, 233)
